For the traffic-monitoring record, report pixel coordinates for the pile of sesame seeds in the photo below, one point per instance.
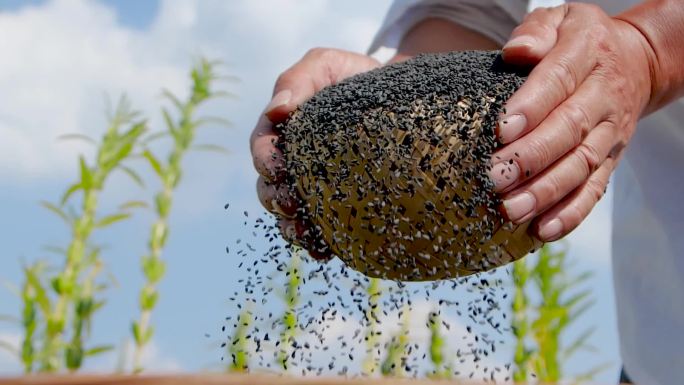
(392, 168)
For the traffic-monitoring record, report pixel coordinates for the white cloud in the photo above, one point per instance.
(53, 76)
(63, 56)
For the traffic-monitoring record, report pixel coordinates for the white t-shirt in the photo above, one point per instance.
(648, 215)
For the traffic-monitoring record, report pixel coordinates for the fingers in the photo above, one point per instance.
(319, 68)
(276, 198)
(558, 181)
(563, 130)
(316, 70)
(535, 37)
(565, 66)
(571, 211)
(268, 160)
(299, 233)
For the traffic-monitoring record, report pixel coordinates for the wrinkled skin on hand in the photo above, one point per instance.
(319, 68)
(566, 127)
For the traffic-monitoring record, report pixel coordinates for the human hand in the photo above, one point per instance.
(565, 128)
(319, 68)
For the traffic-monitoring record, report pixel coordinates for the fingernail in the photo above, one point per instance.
(520, 206)
(521, 41)
(511, 126)
(504, 174)
(551, 230)
(280, 99)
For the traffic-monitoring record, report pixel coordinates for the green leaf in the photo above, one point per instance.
(135, 329)
(40, 292)
(81, 137)
(581, 310)
(577, 280)
(133, 175)
(223, 95)
(214, 120)
(148, 298)
(54, 249)
(84, 307)
(170, 125)
(133, 205)
(578, 343)
(141, 338)
(153, 268)
(74, 357)
(62, 285)
(134, 133)
(211, 147)
(11, 287)
(577, 298)
(97, 350)
(111, 219)
(167, 94)
(86, 174)
(67, 194)
(591, 373)
(163, 204)
(154, 136)
(56, 210)
(156, 166)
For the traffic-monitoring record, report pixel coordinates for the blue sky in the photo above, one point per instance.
(64, 55)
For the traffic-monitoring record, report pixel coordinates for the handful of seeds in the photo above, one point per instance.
(392, 168)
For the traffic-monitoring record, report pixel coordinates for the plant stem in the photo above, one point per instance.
(520, 322)
(395, 360)
(239, 344)
(437, 346)
(290, 315)
(183, 134)
(66, 283)
(149, 293)
(29, 319)
(373, 292)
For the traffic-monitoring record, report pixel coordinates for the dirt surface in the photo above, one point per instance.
(210, 380)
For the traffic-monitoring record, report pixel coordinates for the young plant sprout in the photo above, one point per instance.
(437, 347)
(291, 299)
(182, 132)
(372, 314)
(540, 326)
(395, 362)
(73, 302)
(239, 346)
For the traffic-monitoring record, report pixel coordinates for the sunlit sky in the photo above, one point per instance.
(58, 59)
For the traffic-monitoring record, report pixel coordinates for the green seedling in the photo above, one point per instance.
(291, 298)
(373, 293)
(169, 171)
(73, 291)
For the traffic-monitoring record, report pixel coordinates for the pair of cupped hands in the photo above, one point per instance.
(564, 129)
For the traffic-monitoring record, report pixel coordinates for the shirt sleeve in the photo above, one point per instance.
(492, 18)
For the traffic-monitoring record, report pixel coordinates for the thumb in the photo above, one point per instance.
(535, 37)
